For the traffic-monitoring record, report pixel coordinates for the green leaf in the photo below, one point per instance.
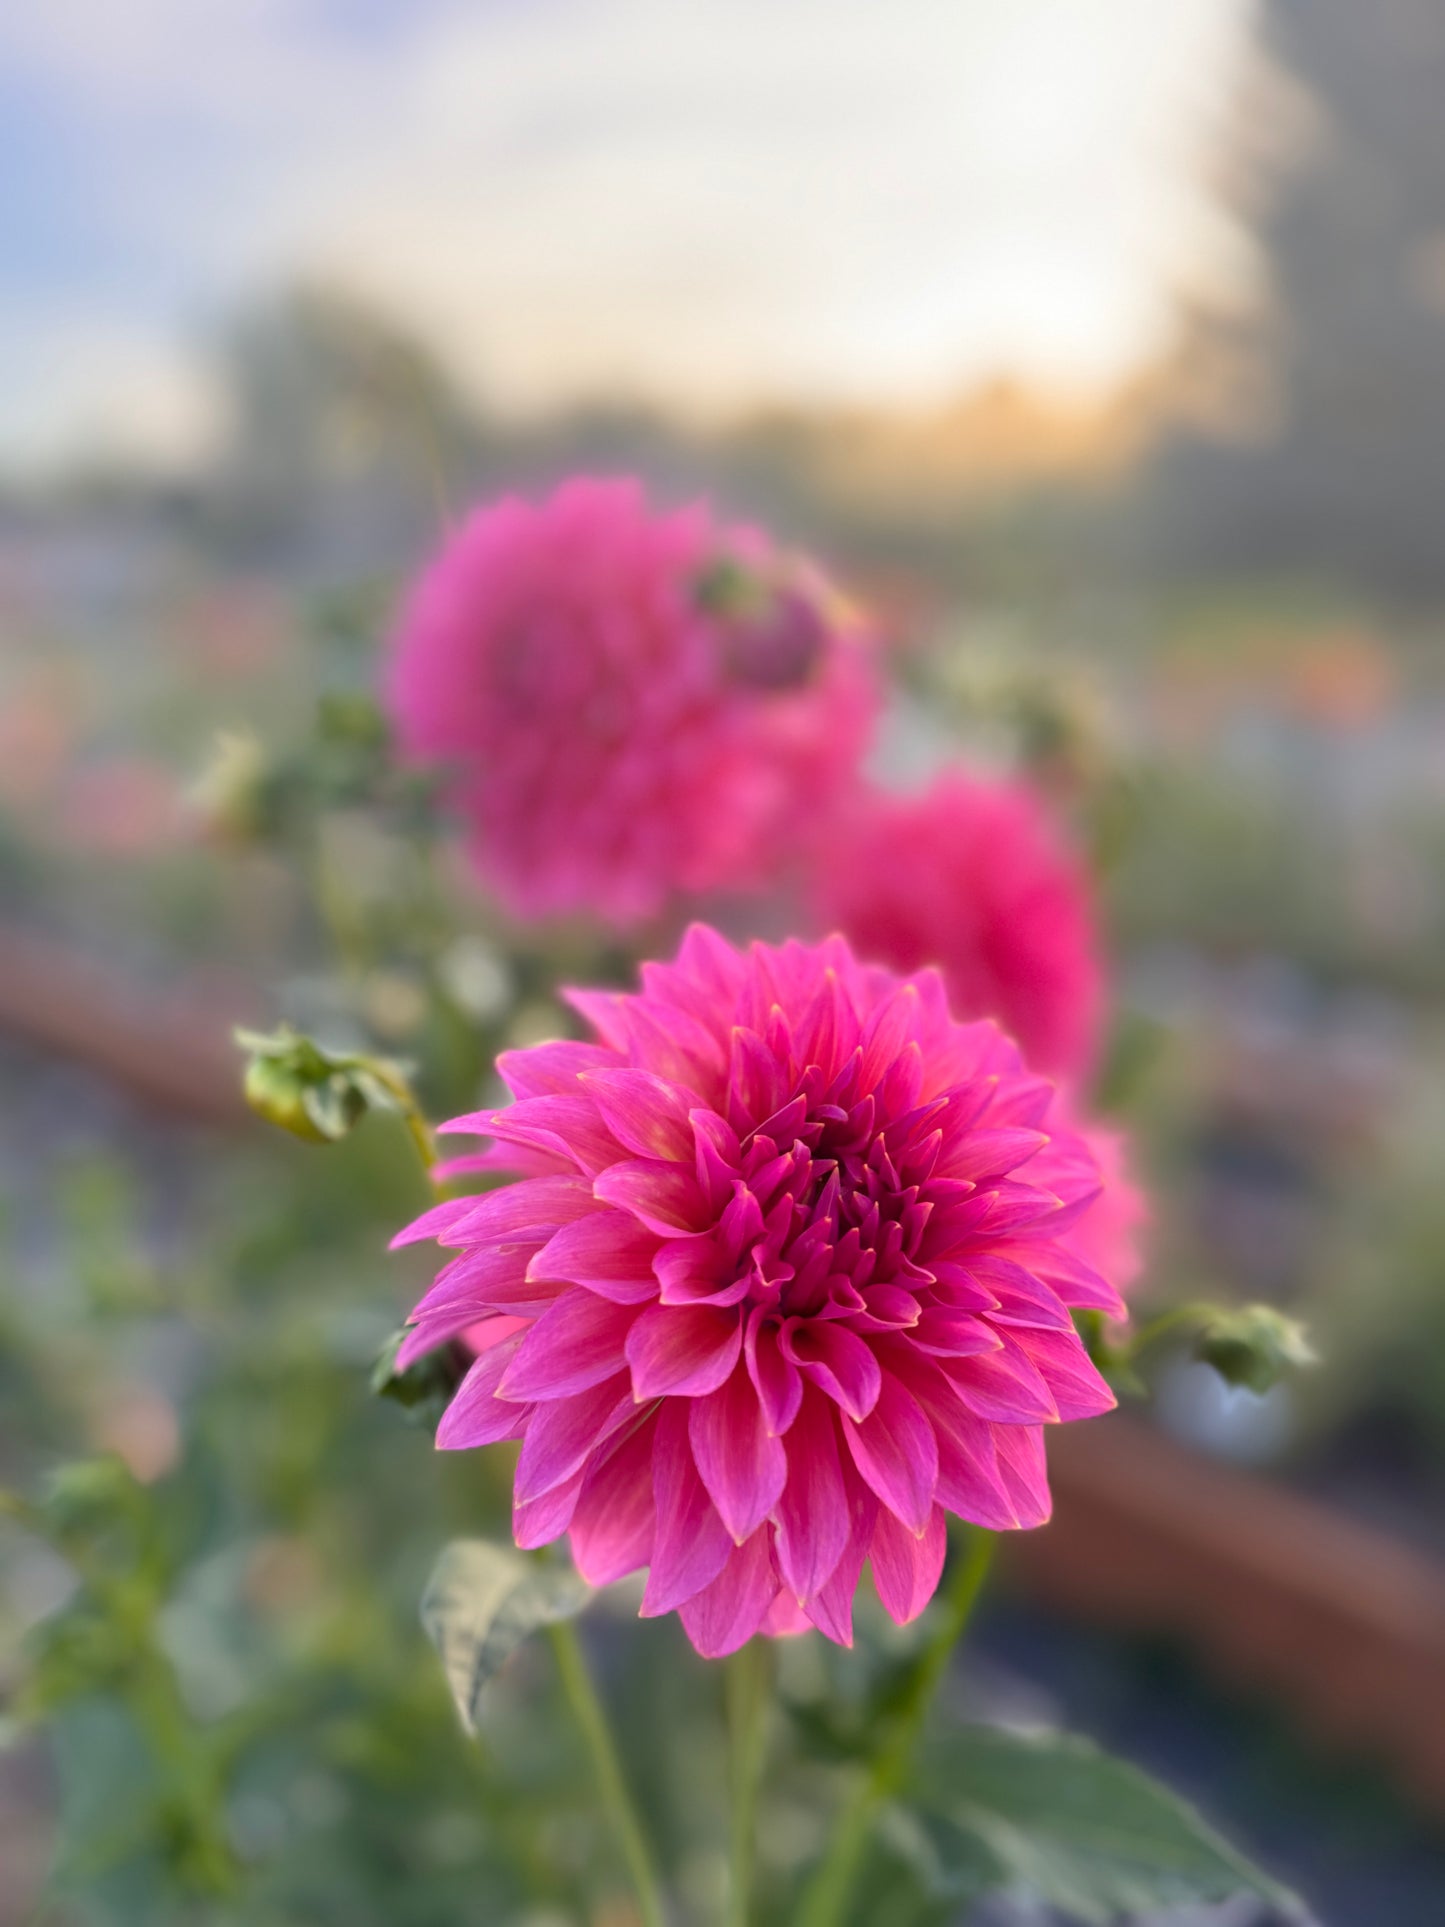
(481, 1602)
(1086, 1833)
(949, 1862)
(1254, 1347)
(425, 1388)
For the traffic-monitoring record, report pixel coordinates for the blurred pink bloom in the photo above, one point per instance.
(974, 877)
(127, 807)
(786, 1279)
(632, 704)
(1109, 1237)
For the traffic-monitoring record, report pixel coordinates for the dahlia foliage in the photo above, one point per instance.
(630, 705)
(975, 876)
(785, 1278)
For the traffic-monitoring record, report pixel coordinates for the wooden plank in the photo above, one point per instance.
(1274, 1589)
(173, 1052)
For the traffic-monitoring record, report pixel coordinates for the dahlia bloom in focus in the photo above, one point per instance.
(975, 877)
(630, 704)
(786, 1277)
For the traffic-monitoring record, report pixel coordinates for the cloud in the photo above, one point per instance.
(708, 205)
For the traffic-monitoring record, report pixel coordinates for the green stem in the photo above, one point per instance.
(591, 1716)
(749, 1691)
(1180, 1318)
(826, 1895)
(411, 1114)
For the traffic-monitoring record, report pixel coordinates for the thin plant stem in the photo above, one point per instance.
(417, 1127)
(749, 1694)
(826, 1895)
(591, 1717)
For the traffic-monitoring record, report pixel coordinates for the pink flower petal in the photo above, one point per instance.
(576, 1343)
(906, 1568)
(476, 1416)
(692, 1545)
(562, 1432)
(1066, 1368)
(831, 1607)
(533, 1205)
(666, 1198)
(541, 1520)
(433, 1223)
(682, 1350)
(785, 1618)
(836, 1360)
(550, 1068)
(778, 1383)
(695, 1271)
(569, 1126)
(954, 1334)
(472, 1281)
(1005, 1386)
(731, 1608)
(812, 1514)
(1025, 1475)
(970, 1480)
(615, 1520)
(647, 1115)
(608, 1251)
(895, 1450)
(743, 1466)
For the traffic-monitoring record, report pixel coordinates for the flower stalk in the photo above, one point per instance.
(591, 1717)
(826, 1895)
(749, 1695)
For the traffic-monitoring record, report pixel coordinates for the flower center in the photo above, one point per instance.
(843, 1211)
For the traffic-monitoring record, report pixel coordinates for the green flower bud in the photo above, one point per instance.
(1254, 1347)
(310, 1092)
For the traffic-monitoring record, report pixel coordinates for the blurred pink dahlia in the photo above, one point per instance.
(975, 877)
(632, 705)
(785, 1279)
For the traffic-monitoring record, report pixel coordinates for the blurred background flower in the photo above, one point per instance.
(627, 706)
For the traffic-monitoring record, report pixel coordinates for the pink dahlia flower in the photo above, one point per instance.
(976, 878)
(785, 1279)
(632, 705)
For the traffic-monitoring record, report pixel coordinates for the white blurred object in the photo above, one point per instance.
(1228, 1421)
(475, 977)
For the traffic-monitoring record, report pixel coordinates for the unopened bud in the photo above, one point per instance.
(1254, 1347)
(296, 1085)
(235, 795)
(774, 626)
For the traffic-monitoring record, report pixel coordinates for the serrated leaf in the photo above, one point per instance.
(481, 1602)
(1084, 1832)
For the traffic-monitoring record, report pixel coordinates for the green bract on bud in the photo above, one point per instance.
(314, 1093)
(1253, 1347)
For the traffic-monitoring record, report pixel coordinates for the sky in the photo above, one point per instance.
(707, 204)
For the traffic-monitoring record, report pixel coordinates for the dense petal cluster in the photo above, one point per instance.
(975, 877)
(785, 1278)
(632, 705)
